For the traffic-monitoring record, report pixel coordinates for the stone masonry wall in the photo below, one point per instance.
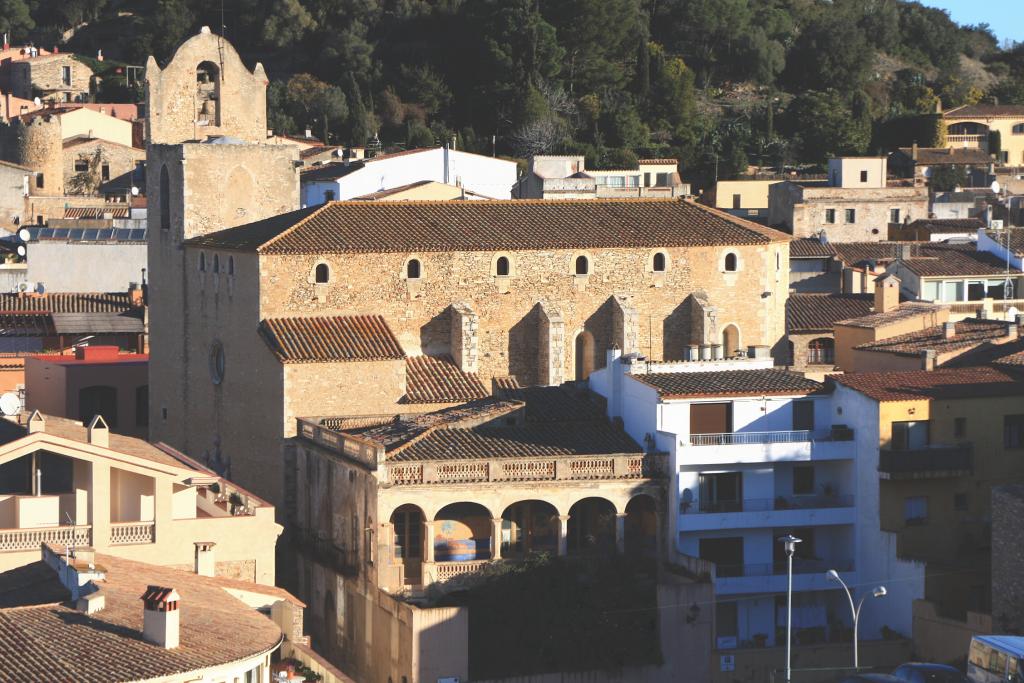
(119, 159)
(46, 75)
(1008, 558)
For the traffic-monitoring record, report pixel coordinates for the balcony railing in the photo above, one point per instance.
(926, 463)
(812, 502)
(800, 566)
(791, 436)
(447, 571)
(131, 533)
(32, 539)
(978, 140)
(633, 466)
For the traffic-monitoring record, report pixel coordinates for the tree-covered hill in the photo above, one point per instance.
(717, 83)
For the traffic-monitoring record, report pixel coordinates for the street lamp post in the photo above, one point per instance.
(789, 542)
(877, 592)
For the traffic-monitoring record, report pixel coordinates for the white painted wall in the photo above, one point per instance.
(483, 175)
(986, 243)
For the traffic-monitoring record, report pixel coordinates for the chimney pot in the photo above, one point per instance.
(928, 359)
(948, 330)
(98, 432)
(161, 616)
(205, 565)
(36, 423)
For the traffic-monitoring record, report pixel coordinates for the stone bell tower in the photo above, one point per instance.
(209, 167)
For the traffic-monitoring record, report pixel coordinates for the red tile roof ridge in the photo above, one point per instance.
(914, 385)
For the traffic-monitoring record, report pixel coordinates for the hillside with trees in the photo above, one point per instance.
(720, 84)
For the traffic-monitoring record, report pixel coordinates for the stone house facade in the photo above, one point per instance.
(52, 77)
(107, 166)
(845, 214)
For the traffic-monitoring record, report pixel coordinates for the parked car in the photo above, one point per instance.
(916, 672)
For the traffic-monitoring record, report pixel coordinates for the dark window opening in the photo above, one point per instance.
(863, 176)
(907, 436)
(721, 492)
(412, 269)
(960, 427)
(737, 201)
(142, 406)
(726, 553)
(1013, 431)
(730, 262)
(659, 263)
(803, 480)
(803, 415)
(582, 265)
(502, 266)
(105, 171)
(323, 274)
(40, 181)
(98, 400)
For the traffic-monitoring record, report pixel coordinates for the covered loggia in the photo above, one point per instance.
(529, 526)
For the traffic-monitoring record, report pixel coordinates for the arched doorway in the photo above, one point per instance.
(591, 527)
(730, 340)
(641, 528)
(584, 355)
(529, 526)
(407, 525)
(462, 533)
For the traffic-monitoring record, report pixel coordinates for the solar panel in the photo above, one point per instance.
(138, 235)
(43, 233)
(75, 234)
(90, 234)
(60, 233)
(105, 234)
(33, 234)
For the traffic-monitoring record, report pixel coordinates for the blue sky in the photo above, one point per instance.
(1006, 17)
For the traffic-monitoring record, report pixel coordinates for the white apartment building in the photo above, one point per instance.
(757, 453)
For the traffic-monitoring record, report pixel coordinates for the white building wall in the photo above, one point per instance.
(482, 175)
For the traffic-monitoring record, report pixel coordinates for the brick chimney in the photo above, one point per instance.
(887, 294)
(205, 564)
(948, 330)
(160, 617)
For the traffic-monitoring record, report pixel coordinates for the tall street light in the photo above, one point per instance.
(789, 542)
(877, 592)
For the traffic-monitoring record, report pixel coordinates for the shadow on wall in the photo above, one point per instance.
(524, 348)
(679, 330)
(436, 334)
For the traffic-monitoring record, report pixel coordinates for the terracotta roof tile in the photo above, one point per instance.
(729, 383)
(1015, 237)
(937, 156)
(855, 252)
(55, 642)
(946, 225)
(438, 380)
(810, 247)
(979, 382)
(523, 441)
(968, 111)
(514, 225)
(90, 302)
(331, 339)
(820, 312)
(969, 333)
(556, 404)
(907, 309)
(957, 263)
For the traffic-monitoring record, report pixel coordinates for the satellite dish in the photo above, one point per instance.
(24, 235)
(22, 251)
(135, 191)
(10, 404)
(995, 187)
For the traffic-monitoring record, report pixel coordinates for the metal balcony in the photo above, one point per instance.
(932, 462)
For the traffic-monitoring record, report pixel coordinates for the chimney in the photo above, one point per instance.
(309, 132)
(205, 565)
(1011, 331)
(1020, 320)
(99, 432)
(928, 359)
(913, 151)
(36, 423)
(948, 330)
(160, 616)
(887, 294)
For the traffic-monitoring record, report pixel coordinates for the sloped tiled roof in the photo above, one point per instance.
(729, 383)
(979, 382)
(957, 263)
(937, 156)
(907, 309)
(855, 252)
(946, 225)
(331, 339)
(810, 247)
(1015, 237)
(530, 440)
(555, 404)
(514, 225)
(820, 312)
(116, 302)
(55, 642)
(969, 333)
(432, 379)
(984, 110)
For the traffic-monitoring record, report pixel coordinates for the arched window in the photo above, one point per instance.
(216, 263)
(231, 265)
(202, 262)
(821, 351)
(165, 199)
(658, 264)
(98, 400)
(208, 94)
(501, 266)
(582, 265)
(584, 351)
(323, 274)
(730, 340)
(217, 362)
(412, 269)
(1018, 129)
(730, 262)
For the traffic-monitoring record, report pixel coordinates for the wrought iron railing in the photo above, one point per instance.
(930, 461)
(785, 436)
(790, 502)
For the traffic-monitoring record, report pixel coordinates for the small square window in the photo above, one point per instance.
(737, 201)
(863, 176)
(830, 215)
(915, 510)
(851, 215)
(960, 502)
(960, 427)
(81, 166)
(894, 215)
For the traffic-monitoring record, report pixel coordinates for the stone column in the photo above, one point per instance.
(427, 565)
(496, 538)
(620, 532)
(563, 535)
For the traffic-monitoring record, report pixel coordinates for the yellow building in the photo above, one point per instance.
(971, 125)
(944, 438)
(744, 198)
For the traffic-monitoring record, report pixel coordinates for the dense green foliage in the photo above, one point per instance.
(553, 614)
(718, 83)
